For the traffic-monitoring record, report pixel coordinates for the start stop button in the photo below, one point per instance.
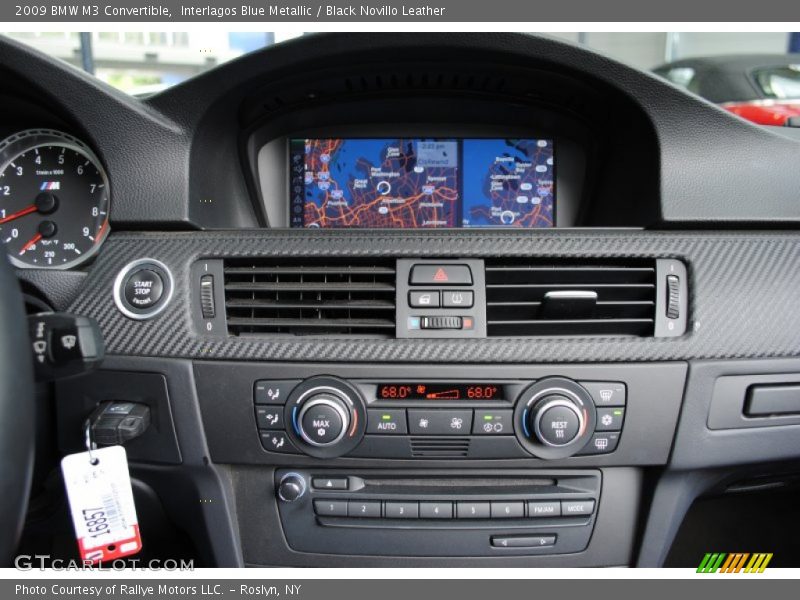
(143, 289)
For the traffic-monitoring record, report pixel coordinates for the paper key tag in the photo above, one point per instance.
(101, 504)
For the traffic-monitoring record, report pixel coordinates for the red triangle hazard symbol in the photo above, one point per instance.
(441, 275)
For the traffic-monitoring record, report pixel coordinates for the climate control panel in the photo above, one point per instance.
(549, 418)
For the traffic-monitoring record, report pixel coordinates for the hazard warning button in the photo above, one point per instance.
(430, 274)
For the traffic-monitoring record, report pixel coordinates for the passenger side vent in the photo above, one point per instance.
(310, 297)
(567, 298)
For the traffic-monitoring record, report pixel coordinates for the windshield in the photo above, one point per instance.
(144, 62)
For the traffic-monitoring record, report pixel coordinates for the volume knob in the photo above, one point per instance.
(292, 487)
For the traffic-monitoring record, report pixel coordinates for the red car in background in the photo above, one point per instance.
(763, 88)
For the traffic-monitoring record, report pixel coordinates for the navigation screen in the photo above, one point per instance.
(422, 183)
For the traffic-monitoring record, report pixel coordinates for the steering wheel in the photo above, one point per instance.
(17, 412)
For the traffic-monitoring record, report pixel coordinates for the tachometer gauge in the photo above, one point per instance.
(54, 200)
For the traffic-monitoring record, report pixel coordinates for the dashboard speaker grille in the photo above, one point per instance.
(565, 298)
(310, 297)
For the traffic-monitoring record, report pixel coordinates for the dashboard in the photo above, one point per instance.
(494, 301)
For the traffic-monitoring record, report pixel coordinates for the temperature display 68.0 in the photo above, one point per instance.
(440, 391)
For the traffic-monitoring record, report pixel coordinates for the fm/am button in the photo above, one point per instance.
(387, 422)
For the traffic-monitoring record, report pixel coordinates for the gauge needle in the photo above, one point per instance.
(20, 213)
(30, 243)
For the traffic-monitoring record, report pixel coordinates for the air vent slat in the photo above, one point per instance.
(312, 323)
(302, 286)
(310, 296)
(526, 297)
(559, 286)
(330, 304)
(304, 270)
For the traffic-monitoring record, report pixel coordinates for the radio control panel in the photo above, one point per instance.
(548, 418)
(452, 513)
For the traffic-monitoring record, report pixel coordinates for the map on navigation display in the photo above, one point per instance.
(508, 182)
(421, 183)
(406, 183)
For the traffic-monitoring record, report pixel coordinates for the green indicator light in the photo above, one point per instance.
(487, 417)
(386, 417)
(618, 412)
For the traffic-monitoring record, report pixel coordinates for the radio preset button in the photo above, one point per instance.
(390, 421)
(435, 510)
(473, 510)
(508, 510)
(330, 508)
(401, 510)
(439, 422)
(367, 509)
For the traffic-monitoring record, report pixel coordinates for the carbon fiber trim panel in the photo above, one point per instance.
(744, 295)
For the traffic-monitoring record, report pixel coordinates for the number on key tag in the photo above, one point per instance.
(101, 503)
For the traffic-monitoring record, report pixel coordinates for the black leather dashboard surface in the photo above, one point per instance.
(743, 295)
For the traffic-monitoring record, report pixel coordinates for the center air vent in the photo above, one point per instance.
(310, 297)
(531, 298)
(439, 447)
